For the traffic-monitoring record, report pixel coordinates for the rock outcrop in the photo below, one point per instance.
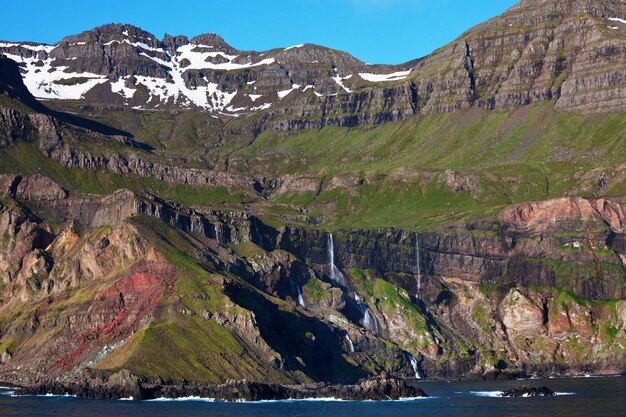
(540, 391)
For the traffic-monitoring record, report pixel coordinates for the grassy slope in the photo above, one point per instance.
(191, 347)
(473, 139)
(531, 153)
(200, 349)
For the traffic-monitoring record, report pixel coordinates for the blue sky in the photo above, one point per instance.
(375, 31)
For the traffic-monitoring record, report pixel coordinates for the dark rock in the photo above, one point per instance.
(539, 391)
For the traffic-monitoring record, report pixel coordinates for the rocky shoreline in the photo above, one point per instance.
(232, 391)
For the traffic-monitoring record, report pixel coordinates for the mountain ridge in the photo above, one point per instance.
(498, 64)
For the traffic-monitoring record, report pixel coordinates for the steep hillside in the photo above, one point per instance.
(171, 294)
(178, 211)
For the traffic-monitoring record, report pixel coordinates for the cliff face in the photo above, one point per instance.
(536, 291)
(570, 51)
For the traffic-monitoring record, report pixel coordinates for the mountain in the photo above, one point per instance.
(574, 55)
(178, 213)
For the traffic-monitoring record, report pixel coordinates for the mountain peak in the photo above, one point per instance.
(600, 8)
(113, 32)
(212, 40)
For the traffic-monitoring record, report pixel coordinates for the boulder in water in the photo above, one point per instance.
(540, 391)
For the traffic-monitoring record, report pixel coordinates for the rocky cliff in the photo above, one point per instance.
(538, 291)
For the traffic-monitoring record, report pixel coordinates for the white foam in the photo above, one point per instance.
(291, 400)
(498, 394)
(190, 398)
(395, 76)
(47, 395)
(490, 394)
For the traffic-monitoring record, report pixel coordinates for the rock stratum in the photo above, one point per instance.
(172, 294)
(476, 229)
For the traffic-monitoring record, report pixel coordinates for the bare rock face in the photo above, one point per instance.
(39, 188)
(520, 314)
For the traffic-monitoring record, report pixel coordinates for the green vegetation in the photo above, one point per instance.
(413, 174)
(24, 158)
(314, 289)
(479, 315)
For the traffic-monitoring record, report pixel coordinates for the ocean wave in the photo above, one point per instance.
(498, 394)
(491, 394)
(290, 400)
(190, 398)
(46, 395)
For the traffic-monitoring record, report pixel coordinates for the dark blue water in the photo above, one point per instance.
(584, 397)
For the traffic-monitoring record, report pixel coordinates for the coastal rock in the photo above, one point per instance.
(539, 391)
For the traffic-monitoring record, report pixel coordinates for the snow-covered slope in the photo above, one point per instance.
(122, 64)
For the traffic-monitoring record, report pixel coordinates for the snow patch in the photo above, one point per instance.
(42, 81)
(261, 107)
(395, 76)
(120, 88)
(617, 19)
(198, 59)
(285, 93)
(339, 80)
(300, 45)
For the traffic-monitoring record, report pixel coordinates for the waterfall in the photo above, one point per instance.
(417, 262)
(334, 274)
(257, 234)
(300, 299)
(369, 319)
(296, 289)
(414, 365)
(350, 343)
